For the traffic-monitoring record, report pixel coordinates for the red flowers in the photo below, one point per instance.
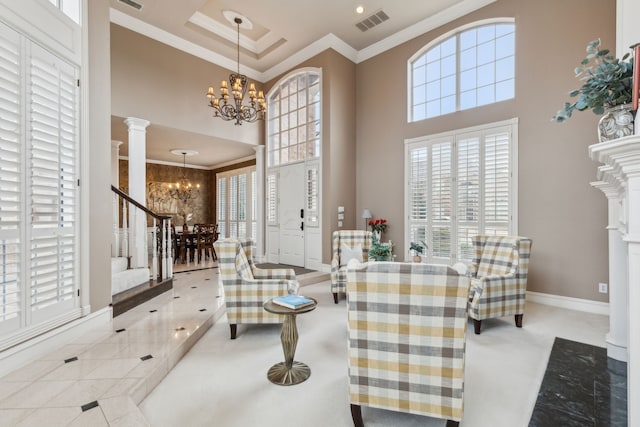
(378, 224)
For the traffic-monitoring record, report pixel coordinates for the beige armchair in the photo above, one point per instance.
(350, 239)
(407, 329)
(498, 278)
(247, 287)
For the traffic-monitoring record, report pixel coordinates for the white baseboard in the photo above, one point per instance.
(28, 351)
(570, 303)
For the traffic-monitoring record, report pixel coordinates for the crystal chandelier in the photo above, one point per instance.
(235, 110)
(183, 190)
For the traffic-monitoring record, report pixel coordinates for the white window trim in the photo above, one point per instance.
(248, 195)
(412, 142)
(436, 41)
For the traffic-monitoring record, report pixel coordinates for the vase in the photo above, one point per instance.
(417, 258)
(617, 122)
(378, 235)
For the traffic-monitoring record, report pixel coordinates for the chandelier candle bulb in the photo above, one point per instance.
(237, 110)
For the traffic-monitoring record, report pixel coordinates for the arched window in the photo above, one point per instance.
(293, 128)
(473, 67)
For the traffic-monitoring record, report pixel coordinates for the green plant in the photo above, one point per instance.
(606, 82)
(418, 248)
(379, 251)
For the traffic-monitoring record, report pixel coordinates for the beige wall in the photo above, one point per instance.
(338, 141)
(166, 86)
(98, 143)
(558, 209)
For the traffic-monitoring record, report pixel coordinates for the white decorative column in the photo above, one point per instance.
(261, 196)
(620, 175)
(137, 190)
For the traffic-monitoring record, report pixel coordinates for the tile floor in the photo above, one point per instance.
(100, 378)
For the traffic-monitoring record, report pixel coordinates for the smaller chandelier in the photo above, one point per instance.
(235, 109)
(183, 190)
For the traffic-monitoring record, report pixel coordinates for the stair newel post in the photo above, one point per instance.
(125, 231)
(168, 256)
(154, 255)
(115, 240)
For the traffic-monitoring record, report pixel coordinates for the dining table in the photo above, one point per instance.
(186, 242)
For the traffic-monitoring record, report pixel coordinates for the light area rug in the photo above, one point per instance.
(224, 383)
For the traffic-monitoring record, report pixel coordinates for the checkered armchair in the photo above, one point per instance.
(247, 287)
(407, 326)
(498, 278)
(351, 238)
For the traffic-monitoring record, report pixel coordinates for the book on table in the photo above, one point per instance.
(293, 301)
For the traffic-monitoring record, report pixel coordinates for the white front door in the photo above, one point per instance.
(291, 214)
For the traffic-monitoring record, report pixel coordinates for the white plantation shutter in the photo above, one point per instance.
(222, 206)
(497, 183)
(313, 196)
(242, 205)
(440, 191)
(11, 170)
(233, 206)
(468, 193)
(460, 185)
(52, 161)
(236, 203)
(39, 121)
(272, 199)
(254, 206)
(417, 193)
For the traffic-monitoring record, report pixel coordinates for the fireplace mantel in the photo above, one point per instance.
(619, 179)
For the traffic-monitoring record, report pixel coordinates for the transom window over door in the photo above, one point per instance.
(473, 67)
(460, 184)
(293, 123)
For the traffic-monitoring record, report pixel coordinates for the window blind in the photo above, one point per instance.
(52, 181)
(10, 179)
(459, 185)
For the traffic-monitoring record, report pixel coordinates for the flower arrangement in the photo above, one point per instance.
(379, 225)
(379, 251)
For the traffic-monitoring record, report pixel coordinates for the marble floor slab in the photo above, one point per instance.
(581, 388)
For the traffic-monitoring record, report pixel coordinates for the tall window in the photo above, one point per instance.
(71, 8)
(461, 184)
(236, 203)
(293, 122)
(39, 120)
(471, 68)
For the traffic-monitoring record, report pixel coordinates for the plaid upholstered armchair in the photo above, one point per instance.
(346, 241)
(498, 278)
(247, 287)
(407, 327)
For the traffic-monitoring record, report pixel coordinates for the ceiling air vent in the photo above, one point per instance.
(377, 18)
(131, 3)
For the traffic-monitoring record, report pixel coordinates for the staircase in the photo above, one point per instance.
(141, 262)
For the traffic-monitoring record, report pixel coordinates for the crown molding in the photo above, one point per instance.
(179, 43)
(330, 41)
(454, 12)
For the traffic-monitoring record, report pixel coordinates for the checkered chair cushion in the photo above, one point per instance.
(407, 325)
(244, 294)
(498, 276)
(351, 238)
(263, 273)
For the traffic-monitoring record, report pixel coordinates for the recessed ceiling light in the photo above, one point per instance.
(360, 9)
